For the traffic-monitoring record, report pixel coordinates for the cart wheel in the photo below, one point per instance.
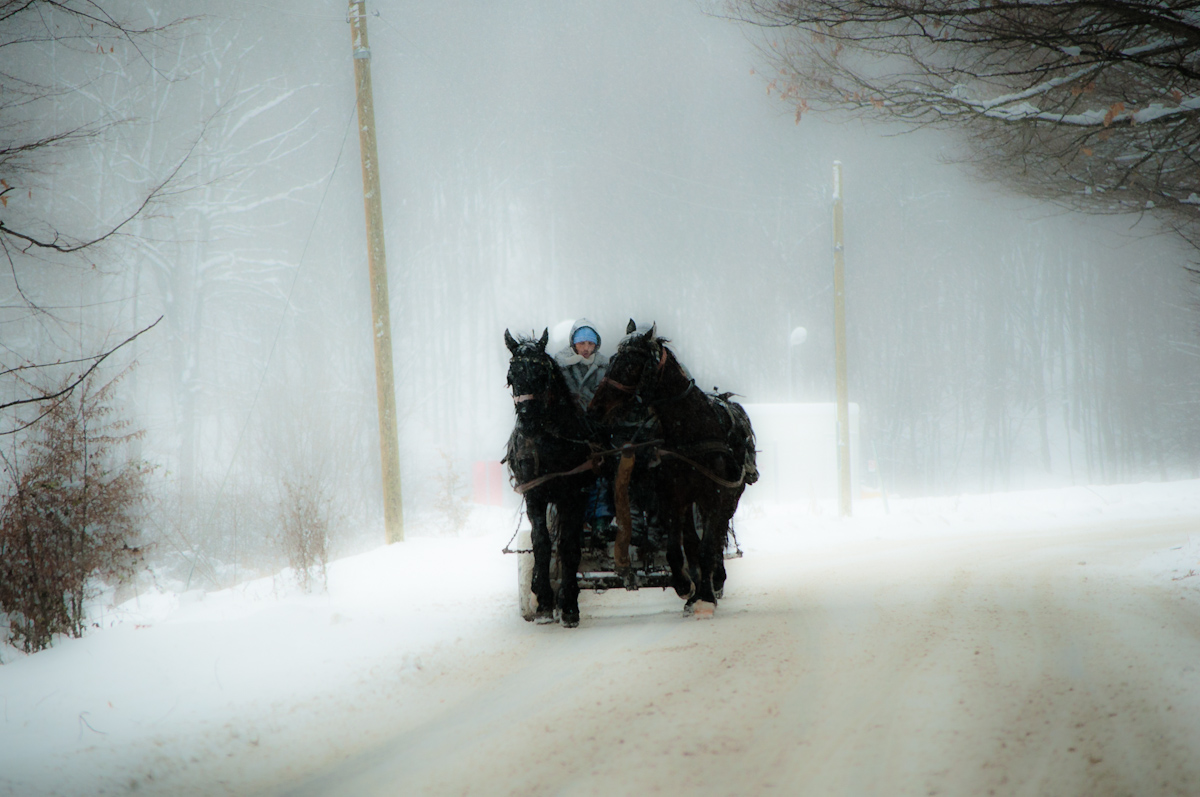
(525, 598)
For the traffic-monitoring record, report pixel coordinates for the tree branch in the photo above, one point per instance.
(72, 384)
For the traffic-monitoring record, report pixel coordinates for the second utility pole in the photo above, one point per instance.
(839, 346)
(381, 327)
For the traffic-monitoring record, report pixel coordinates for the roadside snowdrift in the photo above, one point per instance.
(244, 676)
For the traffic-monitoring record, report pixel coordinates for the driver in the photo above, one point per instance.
(582, 363)
(583, 366)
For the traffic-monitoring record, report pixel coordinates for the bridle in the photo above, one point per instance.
(544, 364)
(538, 361)
(643, 382)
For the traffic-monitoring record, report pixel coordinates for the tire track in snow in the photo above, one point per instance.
(994, 664)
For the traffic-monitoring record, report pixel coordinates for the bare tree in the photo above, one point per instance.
(55, 54)
(1092, 103)
(30, 32)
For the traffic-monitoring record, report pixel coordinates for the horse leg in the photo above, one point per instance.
(570, 519)
(718, 576)
(675, 529)
(693, 535)
(711, 552)
(693, 532)
(535, 507)
(728, 508)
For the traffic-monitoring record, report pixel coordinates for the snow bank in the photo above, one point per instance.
(194, 674)
(814, 524)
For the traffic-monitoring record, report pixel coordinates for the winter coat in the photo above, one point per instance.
(583, 375)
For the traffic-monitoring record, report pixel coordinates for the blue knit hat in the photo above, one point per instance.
(585, 334)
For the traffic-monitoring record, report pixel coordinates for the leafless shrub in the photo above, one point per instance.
(69, 518)
(449, 501)
(304, 528)
(213, 538)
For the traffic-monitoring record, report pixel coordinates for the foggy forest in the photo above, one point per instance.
(539, 164)
(192, 512)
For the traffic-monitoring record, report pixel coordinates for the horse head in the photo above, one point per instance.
(531, 372)
(631, 372)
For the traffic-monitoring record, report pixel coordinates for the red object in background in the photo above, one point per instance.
(487, 483)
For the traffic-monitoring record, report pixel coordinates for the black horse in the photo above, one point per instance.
(548, 458)
(707, 457)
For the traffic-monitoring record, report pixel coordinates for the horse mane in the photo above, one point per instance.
(670, 353)
(629, 339)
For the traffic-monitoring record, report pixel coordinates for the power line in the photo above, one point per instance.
(289, 13)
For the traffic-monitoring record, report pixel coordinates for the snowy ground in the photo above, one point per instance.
(954, 645)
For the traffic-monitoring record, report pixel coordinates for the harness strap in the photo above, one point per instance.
(705, 471)
(709, 447)
(599, 455)
(624, 520)
(677, 397)
(593, 462)
(662, 361)
(617, 385)
(540, 480)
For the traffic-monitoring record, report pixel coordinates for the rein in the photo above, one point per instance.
(703, 471)
(540, 480)
(592, 462)
(714, 446)
(616, 384)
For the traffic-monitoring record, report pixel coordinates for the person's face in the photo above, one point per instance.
(585, 348)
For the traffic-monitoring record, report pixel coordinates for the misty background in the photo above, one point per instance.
(540, 162)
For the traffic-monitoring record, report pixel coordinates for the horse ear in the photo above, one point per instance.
(630, 327)
(544, 339)
(649, 336)
(509, 342)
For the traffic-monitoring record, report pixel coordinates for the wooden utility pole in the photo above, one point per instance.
(389, 452)
(839, 345)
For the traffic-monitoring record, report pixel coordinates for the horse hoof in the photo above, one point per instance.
(568, 619)
(543, 618)
(703, 610)
(720, 593)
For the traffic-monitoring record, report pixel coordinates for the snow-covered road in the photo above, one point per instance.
(1029, 643)
(1012, 664)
